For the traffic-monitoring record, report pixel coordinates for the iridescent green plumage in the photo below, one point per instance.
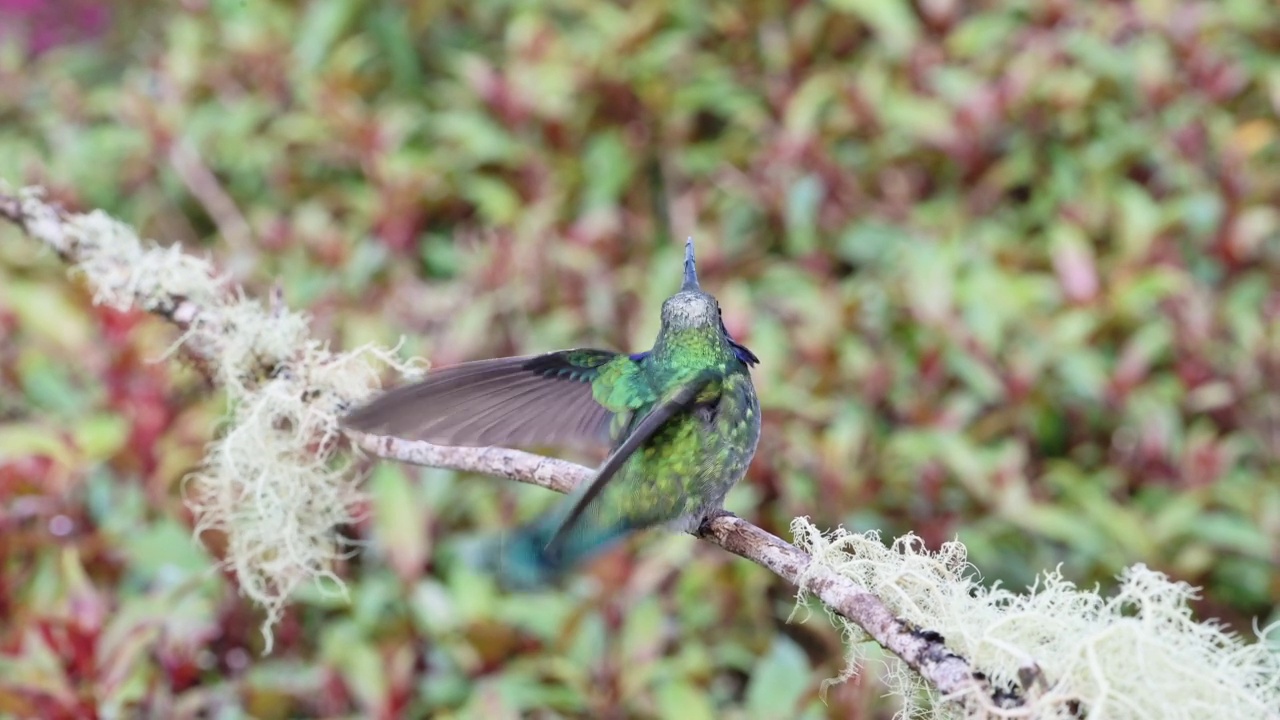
(682, 421)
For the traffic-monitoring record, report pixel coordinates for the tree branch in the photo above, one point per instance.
(922, 650)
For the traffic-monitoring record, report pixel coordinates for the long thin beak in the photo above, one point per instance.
(690, 268)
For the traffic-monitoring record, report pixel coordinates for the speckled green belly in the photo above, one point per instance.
(687, 468)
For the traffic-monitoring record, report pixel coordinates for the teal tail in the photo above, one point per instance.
(523, 561)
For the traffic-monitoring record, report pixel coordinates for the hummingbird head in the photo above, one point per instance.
(690, 308)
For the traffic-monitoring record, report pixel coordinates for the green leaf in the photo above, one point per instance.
(163, 552)
(343, 646)
(803, 201)
(778, 681)
(101, 436)
(19, 440)
(1227, 531)
(400, 522)
(321, 26)
(46, 311)
(495, 199)
(607, 169)
(893, 21)
(679, 699)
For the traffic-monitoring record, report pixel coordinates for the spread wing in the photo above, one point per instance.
(678, 400)
(518, 401)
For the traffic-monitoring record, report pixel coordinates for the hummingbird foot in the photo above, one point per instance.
(704, 528)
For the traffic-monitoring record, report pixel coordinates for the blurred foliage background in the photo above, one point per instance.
(1013, 270)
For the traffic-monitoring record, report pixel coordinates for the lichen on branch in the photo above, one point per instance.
(1137, 654)
(275, 483)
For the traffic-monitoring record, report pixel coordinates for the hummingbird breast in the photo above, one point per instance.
(732, 431)
(688, 467)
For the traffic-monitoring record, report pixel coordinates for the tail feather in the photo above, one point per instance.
(522, 559)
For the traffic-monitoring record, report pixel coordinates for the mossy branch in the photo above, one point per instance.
(280, 480)
(922, 650)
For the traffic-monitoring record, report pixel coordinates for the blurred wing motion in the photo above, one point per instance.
(519, 401)
(678, 400)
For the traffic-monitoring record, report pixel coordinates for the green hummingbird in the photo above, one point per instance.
(681, 420)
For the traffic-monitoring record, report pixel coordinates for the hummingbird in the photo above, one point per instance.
(681, 422)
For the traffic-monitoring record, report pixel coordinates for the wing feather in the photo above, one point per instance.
(518, 401)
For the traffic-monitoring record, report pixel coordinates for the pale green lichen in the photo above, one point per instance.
(273, 483)
(1137, 654)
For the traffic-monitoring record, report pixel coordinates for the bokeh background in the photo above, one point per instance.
(1012, 268)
